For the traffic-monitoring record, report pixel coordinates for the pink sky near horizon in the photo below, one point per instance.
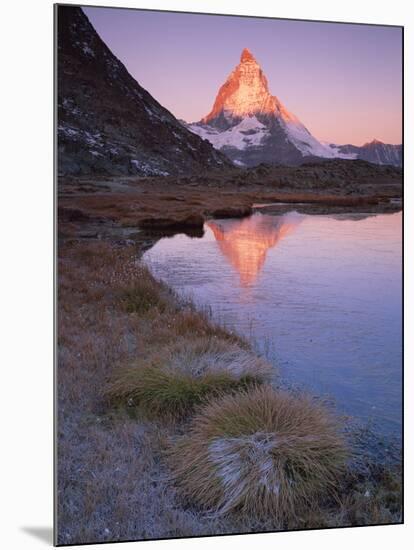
(343, 81)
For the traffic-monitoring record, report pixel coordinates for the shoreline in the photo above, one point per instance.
(92, 204)
(144, 215)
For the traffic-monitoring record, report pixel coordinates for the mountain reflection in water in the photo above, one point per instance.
(320, 295)
(245, 243)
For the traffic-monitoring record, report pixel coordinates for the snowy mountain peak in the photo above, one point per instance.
(245, 93)
(252, 126)
(246, 118)
(247, 56)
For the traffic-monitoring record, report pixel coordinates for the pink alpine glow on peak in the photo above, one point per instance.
(246, 93)
(253, 126)
(247, 55)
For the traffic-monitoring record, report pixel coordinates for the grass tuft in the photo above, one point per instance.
(142, 296)
(183, 374)
(263, 453)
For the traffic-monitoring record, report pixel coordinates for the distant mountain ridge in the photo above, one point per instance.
(251, 126)
(376, 152)
(108, 123)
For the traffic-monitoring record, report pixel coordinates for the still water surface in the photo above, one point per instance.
(321, 295)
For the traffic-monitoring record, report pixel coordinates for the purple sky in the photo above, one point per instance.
(344, 82)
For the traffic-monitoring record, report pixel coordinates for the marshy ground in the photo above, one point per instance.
(91, 207)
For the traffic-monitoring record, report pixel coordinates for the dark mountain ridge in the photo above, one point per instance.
(108, 123)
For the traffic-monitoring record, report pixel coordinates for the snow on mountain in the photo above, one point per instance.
(309, 145)
(249, 132)
(252, 126)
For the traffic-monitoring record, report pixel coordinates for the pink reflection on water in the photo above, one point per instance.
(245, 243)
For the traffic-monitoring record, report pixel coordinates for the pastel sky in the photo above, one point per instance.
(343, 81)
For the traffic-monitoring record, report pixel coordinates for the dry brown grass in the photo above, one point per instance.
(142, 296)
(261, 453)
(111, 478)
(173, 379)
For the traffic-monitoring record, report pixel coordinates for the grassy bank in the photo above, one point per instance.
(145, 381)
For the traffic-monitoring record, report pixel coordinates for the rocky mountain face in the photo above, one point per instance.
(107, 123)
(251, 126)
(375, 151)
(245, 94)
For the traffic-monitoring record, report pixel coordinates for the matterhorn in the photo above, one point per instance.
(251, 126)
